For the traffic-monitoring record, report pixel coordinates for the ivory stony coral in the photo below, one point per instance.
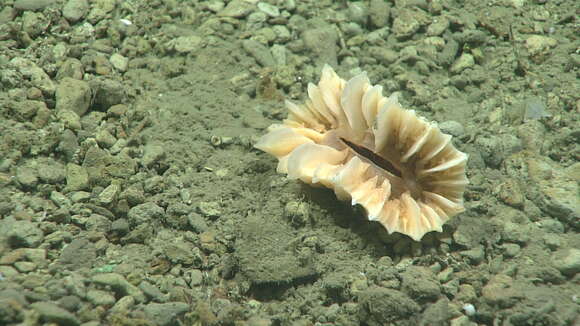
(401, 168)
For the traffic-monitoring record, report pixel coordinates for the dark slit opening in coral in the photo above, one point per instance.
(371, 156)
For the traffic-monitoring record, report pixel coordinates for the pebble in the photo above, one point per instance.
(260, 52)
(123, 305)
(269, 9)
(421, 283)
(119, 285)
(195, 277)
(438, 26)
(145, 213)
(279, 54)
(109, 194)
(322, 42)
(405, 24)
(152, 292)
(52, 171)
(77, 178)
(567, 261)
(27, 177)
(32, 4)
(381, 306)
(34, 24)
(23, 234)
(51, 313)
(74, 10)
(186, 44)
(379, 11)
(152, 153)
(499, 291)
(165, 314)
(453, 128)
(538, 44)
(100, 298)
(38, 77)
(511, 249)
(237, 9)
(180, 252)
(357, 13)
(119, 62)
(465, 61)
(105, 139)
(73, 95)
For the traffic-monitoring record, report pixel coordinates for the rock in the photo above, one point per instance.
(453, 128)
(77, 178)
(539, 45)
(153, 153)
(100, 298)
(475, 255)
(74, 10)
(195, 277)
(186, 44)
(269, 9)
(321, 40)
(109, 194)
(499, 291)
(438, 26)
(209, 209)
(51, 171)
(379, 11)
(35, 74)
(123, 306)
(405, 24)
(465, 61)
(237, 9)
(511, 249)
(381, 306)
(74, 95)
(511, 194)
(260, 52)
(72, 68)
(98, 223)
(32, 4)
(383, 55)
(107, 93)
(119, 62)
(105, 139)
(421, 284)
(51, 313)
(27, 109)
(120, 227)
(557, 190)
(70, 119)
(23, 234)
(144, 213)
(34, 23)
(119, 284)
(567, 261)
(180, 252)
(165, 314)
(358, 13)
(27, 177)
(80, 253)
(152, 292)
(263, 254)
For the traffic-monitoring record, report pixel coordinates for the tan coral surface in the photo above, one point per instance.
(348, 137)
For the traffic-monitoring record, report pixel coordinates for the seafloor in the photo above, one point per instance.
(130, 193)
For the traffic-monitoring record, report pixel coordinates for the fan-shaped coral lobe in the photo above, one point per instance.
(348, 137)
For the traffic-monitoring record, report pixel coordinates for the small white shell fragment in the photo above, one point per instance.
(126, 22)
(469, 309)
